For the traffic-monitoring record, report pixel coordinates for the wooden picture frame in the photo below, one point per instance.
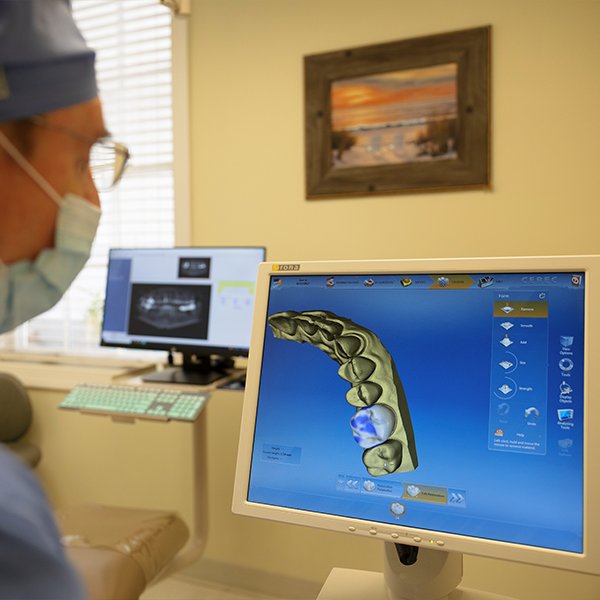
(399, 117)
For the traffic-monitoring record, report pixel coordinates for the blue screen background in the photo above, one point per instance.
(441, 341)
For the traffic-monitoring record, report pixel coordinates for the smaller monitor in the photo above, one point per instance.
(196, 301)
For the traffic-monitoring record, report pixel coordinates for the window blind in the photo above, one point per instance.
(133, 44)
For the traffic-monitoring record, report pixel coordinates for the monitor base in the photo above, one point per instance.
(179, 375)
(196, 369)
(353, 584)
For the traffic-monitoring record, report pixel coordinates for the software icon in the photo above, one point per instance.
(566, 341)
(565, 414)
(397, 509)
(565, 364)
(369, 486)
(413, 490)
(503, 409)
(565, 389)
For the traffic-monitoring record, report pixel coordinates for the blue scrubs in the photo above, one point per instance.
(33, 564)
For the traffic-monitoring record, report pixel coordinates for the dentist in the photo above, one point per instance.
(52, 135)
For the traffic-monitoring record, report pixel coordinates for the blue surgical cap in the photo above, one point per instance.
(45, 63)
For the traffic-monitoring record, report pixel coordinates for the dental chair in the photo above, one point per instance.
(15, 420)
(118, 551)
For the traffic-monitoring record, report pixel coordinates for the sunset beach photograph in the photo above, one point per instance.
(395, 117)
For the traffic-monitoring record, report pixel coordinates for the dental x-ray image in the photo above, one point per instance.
(179, 310)
(194, 268)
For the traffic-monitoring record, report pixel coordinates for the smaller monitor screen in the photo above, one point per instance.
(198, 299)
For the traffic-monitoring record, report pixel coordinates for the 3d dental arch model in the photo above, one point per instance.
(382, 422)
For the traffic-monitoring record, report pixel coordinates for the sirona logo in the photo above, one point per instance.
(286, 267)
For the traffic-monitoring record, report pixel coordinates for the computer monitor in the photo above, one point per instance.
(462, 417)
(196, 301)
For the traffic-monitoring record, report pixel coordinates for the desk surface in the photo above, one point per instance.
(59, 376)
(60, 373)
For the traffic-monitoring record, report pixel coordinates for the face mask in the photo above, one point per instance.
(28, 288)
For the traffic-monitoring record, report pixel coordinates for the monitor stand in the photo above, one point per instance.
(426, 575)
(195, 370)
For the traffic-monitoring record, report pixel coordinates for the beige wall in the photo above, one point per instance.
(247, 130)
(248, 188)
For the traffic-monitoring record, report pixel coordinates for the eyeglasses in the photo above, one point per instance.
(108, 158)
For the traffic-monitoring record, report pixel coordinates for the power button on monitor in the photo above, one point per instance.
(373, 531)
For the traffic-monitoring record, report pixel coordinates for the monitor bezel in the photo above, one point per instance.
(186, 349)
(588, 561)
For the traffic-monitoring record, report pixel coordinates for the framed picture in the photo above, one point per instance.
(406, 116)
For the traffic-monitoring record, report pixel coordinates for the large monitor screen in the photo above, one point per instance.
(197, 301)
(440, 403)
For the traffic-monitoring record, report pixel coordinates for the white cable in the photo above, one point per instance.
(29, 169)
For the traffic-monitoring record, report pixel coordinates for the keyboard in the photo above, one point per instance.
(135, 401)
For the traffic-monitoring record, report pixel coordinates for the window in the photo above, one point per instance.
(135, 55)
